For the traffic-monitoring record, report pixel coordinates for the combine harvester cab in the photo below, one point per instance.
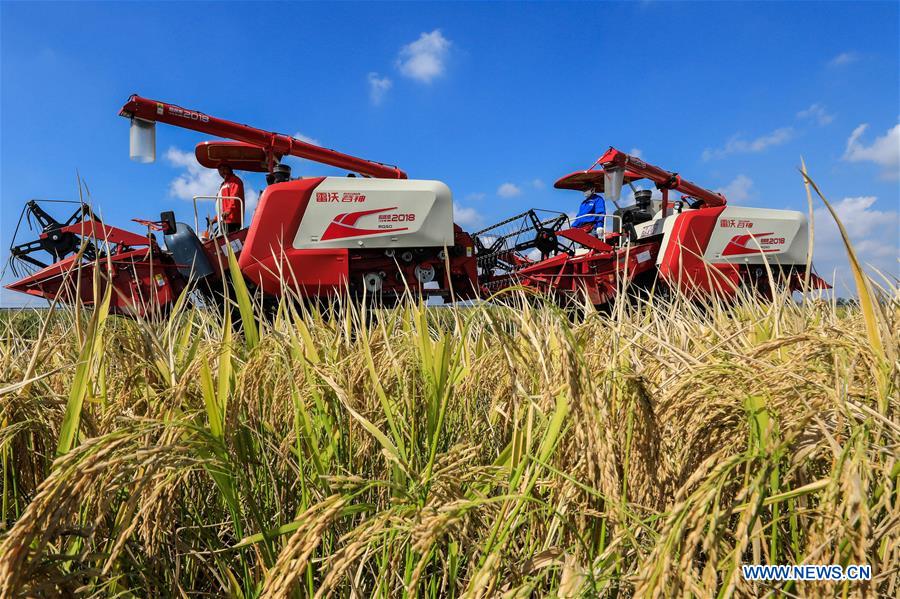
(378, 235)
(695, 243)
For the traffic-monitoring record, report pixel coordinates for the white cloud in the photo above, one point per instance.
(295, 162)
(636, 152)
(475, 195)
(538, 184)
(466, 217)
(196, 180)
(251, 199)
(884, 151)
(378, 87)
(739, 145)
(817, 114)
(307, 139)
(738, 190)
(843, 59)
(872, 232)
(423, 59)
(180, 158)
(509, 190)
(533, 254)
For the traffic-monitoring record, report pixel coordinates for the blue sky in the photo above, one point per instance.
(496, 99)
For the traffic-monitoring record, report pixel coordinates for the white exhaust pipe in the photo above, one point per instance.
(142, 140)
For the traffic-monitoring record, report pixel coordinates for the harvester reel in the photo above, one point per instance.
(545, 238)
(488, 256)
(497, 245)
(52, 240)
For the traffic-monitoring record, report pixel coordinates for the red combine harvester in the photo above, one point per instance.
(381, 234)
(694, 243)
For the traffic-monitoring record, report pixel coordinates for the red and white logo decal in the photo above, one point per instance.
(752, 243)
(408, 217)
(730, 223)
(344, 225)
(346, 197)
(190, 115)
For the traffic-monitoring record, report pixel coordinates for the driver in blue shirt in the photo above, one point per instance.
(591, 211)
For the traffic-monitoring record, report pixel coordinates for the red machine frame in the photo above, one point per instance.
(146, 279)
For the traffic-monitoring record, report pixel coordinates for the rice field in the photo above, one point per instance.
(510, 449)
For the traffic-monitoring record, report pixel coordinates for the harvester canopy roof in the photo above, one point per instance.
(582, 180)
(238, 155)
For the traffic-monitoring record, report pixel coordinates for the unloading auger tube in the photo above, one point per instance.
(275, 144)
